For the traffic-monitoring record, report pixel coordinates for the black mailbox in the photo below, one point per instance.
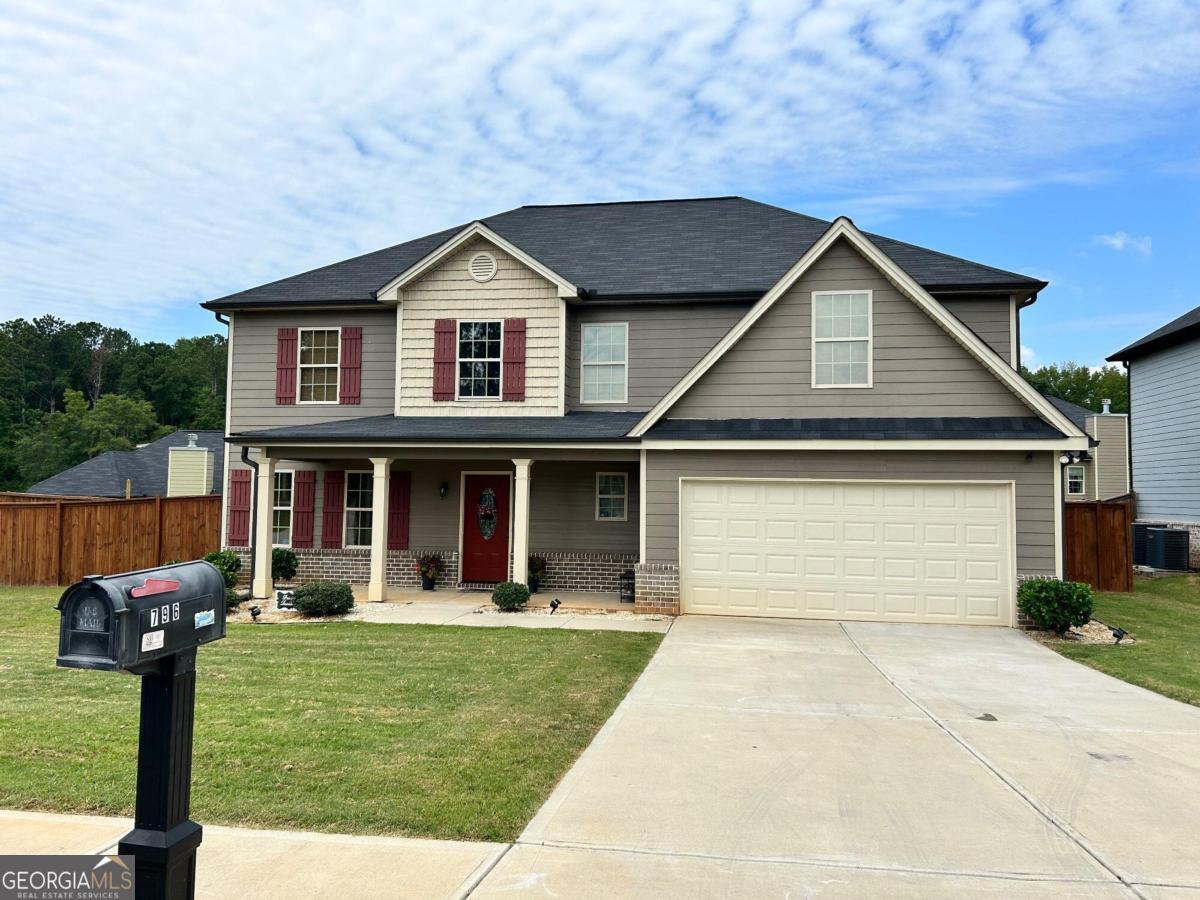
(128, 622)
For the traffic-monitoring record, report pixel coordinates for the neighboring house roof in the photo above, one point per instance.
(145, 467)
(855, 428)
(715, 246)
(1073, 411)
(574, 426)
(1175, 332)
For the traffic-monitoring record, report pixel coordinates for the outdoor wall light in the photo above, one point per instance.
(443, 489)
(1070, 458)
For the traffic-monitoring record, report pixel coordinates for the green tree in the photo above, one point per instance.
(1082, 384)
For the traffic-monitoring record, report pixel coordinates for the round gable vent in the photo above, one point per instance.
(482, 267)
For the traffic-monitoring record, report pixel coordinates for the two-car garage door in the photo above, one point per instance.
(907, 552)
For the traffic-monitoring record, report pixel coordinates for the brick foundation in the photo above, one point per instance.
(657, 589)
(1193, 539)
(585, 571)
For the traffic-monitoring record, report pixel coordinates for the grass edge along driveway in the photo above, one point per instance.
(1164, 615)
(420, 730)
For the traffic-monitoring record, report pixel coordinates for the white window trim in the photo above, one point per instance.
(458, 360)
(870, 338)
(291, 508)
(583, 366)
(346, 509)
(1082, 481)
(300, 367)
(624, 496)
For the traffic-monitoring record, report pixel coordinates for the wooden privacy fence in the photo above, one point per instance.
(60, 541)
(1099, 543)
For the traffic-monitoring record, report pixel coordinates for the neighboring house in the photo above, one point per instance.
(184, 463)
(1164, 405)
(1102, 472)
(759, 412)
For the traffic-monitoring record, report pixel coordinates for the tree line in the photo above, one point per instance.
(69, 391)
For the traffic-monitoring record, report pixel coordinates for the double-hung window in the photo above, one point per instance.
(1075, 481)
(319, 349)
(479, 360)
(358, 509)
(612, 489)
(604, 361)
(841, 339)
(281, 510)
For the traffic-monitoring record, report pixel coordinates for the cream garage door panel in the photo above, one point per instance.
(909, 552)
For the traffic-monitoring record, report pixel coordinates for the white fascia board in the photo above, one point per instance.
(628, 447)
(842, 227)
(390, 292)
(1054, 445)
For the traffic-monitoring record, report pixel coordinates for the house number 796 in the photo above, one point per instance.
(164, 614)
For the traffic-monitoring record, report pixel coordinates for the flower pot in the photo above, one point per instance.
(427, 583)
(534, 583)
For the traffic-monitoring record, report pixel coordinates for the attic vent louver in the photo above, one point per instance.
(482, 267)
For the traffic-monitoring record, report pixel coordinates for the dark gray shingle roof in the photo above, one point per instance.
(574, 426)
(1174, 332)
(709, 246)
(856, 429)
(145, 467)
(1073, 411)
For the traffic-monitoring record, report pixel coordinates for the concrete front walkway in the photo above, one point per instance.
(760, 758)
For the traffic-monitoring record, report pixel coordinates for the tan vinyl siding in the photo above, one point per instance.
(1033, 477)
(252, 389)
(1111, 456)
(919, 370)
(989, 317)
(449, 292)
(189, 471)
(665, 342)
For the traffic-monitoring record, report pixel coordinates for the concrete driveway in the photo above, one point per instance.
(767, 758)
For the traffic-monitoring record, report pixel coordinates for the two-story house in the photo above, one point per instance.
(760, 412)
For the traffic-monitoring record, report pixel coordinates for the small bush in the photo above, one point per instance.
(284, 563)
(429, 566)
(228, 562)
(324, 598)
(231, 598)
(1055, 605)
(510, 596)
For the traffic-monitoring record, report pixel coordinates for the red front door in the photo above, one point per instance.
(485, 528)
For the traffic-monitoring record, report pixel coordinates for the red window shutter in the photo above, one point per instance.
(304, 496)
(444, 354)
(514, 359)
(333, 506)
(285, 365)
(239, 508)
(350, 388)
(399, 497)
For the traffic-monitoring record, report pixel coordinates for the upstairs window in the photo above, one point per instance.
(841, 339)
(319, 365)
(605, 362)
(1075, 481)
(358, 508)
(479, 360)
(281, 510)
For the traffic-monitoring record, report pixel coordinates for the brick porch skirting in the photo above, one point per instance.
(568, 571)
(657, 589)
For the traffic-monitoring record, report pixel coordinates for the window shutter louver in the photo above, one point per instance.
(285, 366)
(239, 508)
(332, 508)
(399, 498)
(304, 487)
(443, 359)
(350, 388)
(514, 359)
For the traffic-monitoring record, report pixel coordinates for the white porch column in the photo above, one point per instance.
(264, 502)
(380, 488)
(520, 542)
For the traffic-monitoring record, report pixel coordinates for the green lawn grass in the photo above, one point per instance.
(432, 731)
(1164, 615)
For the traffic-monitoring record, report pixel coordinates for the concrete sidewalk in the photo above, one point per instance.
(240, 863)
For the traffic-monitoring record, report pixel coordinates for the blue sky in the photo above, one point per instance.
(154, 155)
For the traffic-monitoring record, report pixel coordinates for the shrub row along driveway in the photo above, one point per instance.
(772, 758)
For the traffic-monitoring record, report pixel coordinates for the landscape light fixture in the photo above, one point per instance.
(1119, 633)
(554, 605)
(255, 612)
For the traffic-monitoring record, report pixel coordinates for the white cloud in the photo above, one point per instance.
(1119, 241)
(1029, 357)
(155, 154)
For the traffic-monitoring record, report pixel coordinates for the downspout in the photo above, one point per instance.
(253, 512)
(1129, 419)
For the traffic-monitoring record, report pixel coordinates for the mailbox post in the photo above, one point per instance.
(149, 623)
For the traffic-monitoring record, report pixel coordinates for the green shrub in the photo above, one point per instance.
(1055, 605)
(231, 598)
(510, 596)
(324, 598)
(284, 563)
(228, 562)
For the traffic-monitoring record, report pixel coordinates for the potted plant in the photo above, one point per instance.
(429, 566)
(537, 571)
